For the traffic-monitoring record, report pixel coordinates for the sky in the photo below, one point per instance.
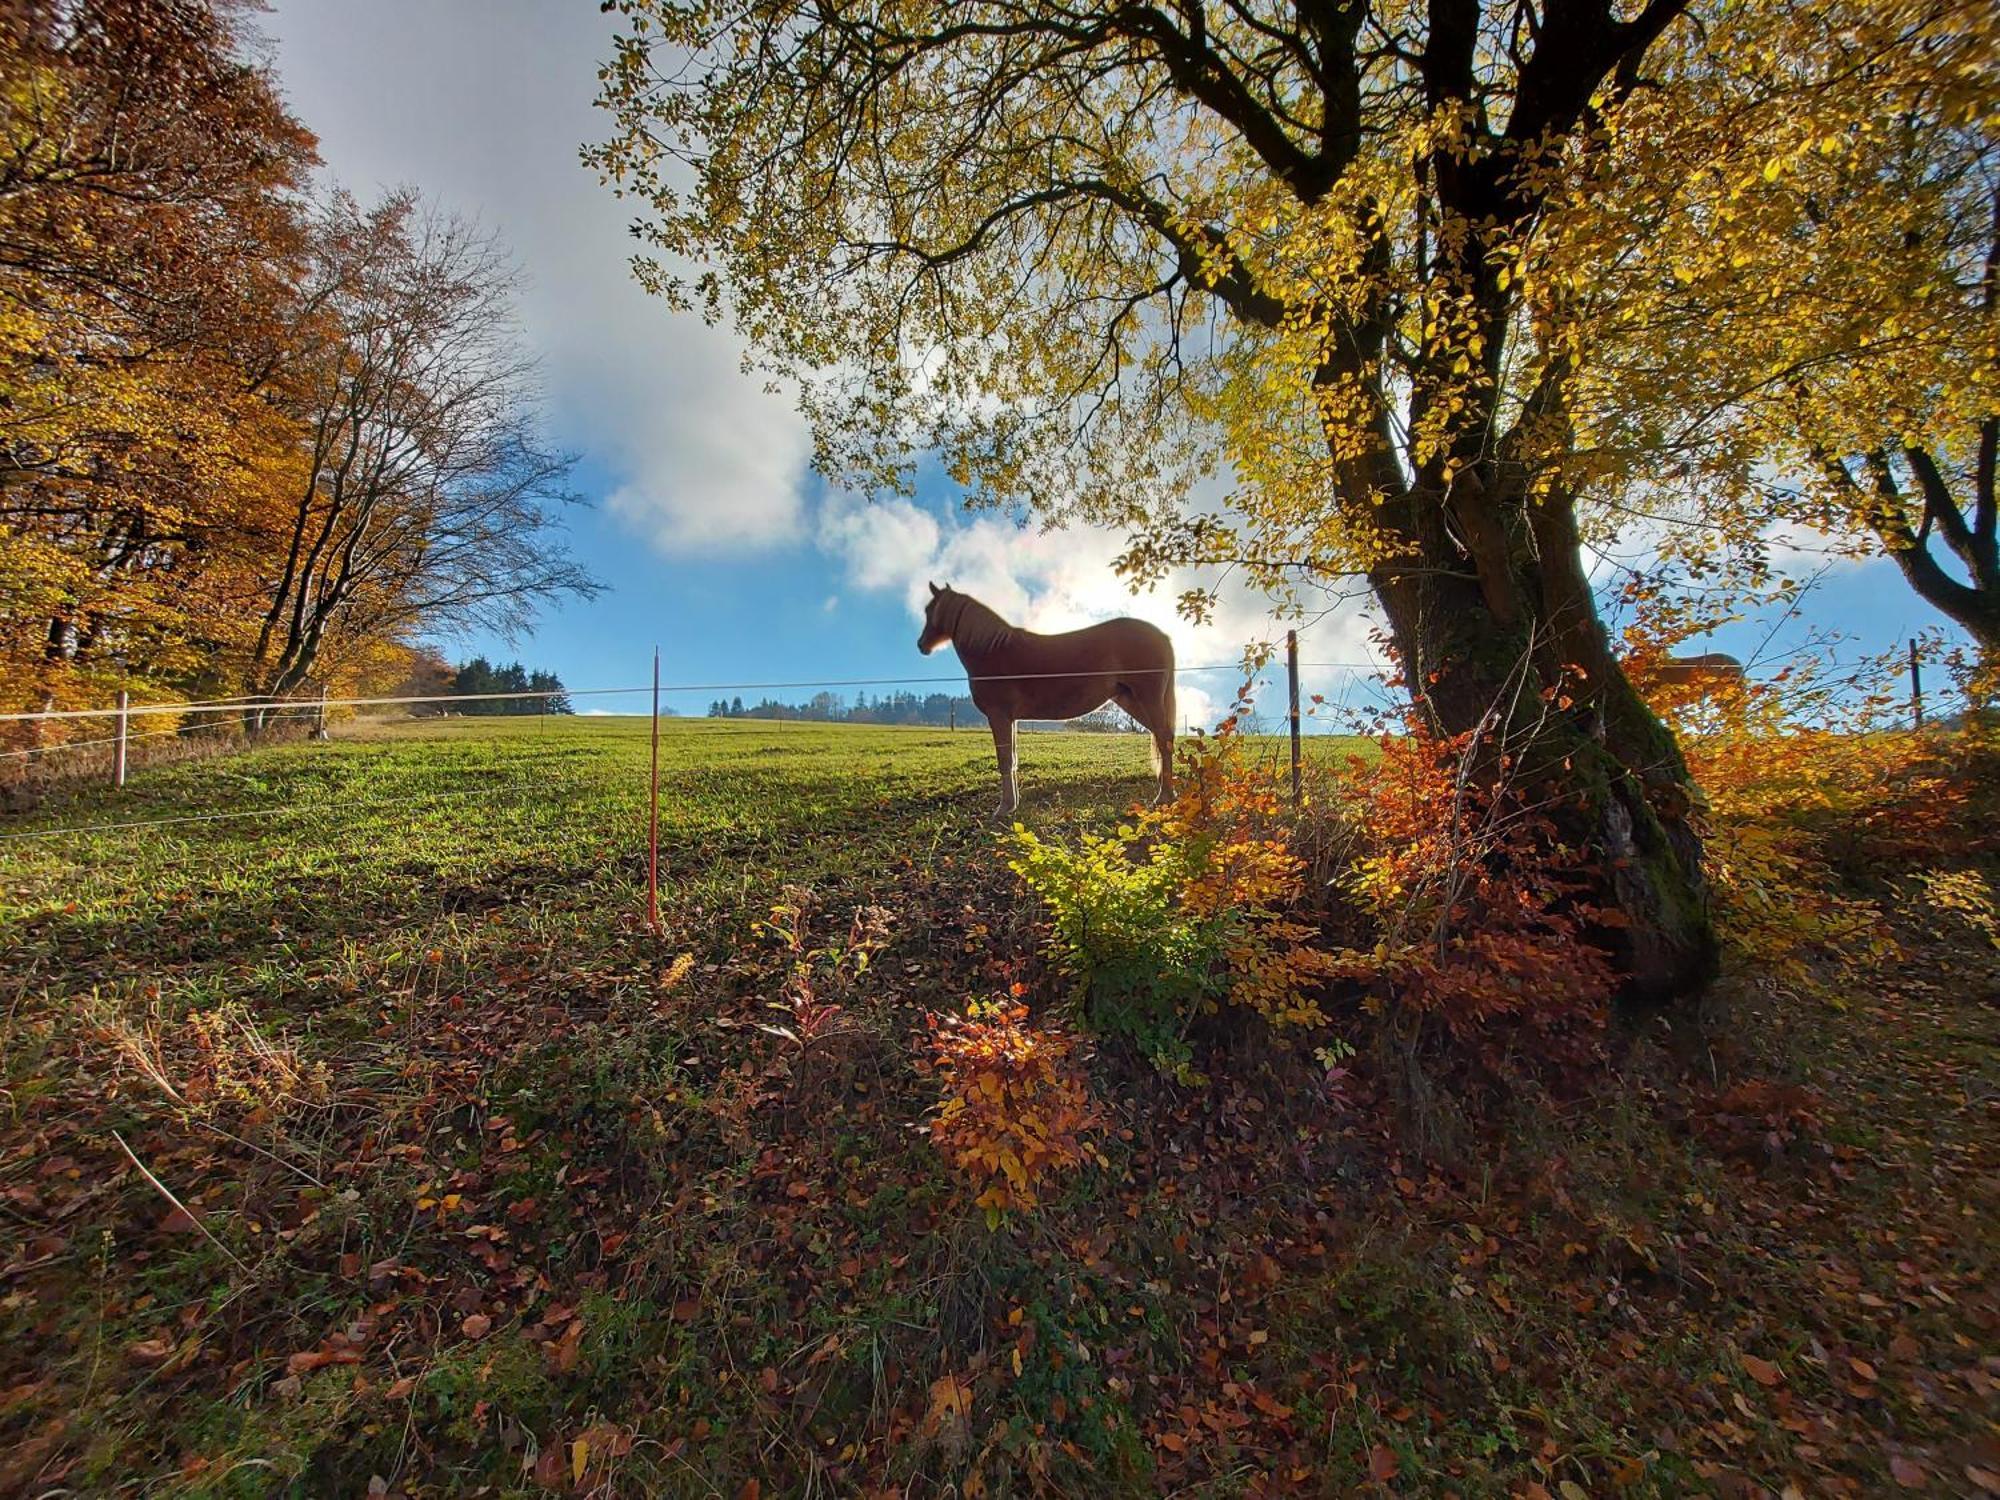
(715, 541)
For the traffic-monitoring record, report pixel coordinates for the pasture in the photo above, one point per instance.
(356, 1138)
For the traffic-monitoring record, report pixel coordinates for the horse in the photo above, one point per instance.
(1708, 673)
(1016, 674)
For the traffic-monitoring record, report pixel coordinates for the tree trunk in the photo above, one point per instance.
(1504, 656)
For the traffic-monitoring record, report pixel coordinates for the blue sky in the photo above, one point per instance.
(715, 541)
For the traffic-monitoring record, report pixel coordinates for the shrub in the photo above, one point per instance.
(1476, 905)
(1181, 911)
(1015, 1111)
(1796, 768)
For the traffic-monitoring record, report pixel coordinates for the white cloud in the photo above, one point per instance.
(483, 105)
(1061, 579)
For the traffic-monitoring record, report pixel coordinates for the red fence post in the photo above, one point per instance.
(653, 824)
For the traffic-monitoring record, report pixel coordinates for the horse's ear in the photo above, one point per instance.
(935, 591)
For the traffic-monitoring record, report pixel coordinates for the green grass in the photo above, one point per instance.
(476, 1169)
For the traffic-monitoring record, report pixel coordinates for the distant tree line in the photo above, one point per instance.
(480, 676)
(941, 710)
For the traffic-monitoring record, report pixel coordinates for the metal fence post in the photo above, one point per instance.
(118, 757)
(1292, 671)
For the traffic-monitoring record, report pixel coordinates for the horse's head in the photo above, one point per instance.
(939, 617)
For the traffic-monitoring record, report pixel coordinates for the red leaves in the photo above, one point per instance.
(1475, 909)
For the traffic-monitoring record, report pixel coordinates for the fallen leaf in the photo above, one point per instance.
(1985, 1479)
(579, 1459)
(308, 1360)
(951, 1401)
(477, 1326)
(1907, 1472)
(1761, 1370)
(548, 1468)
(152, 1351)
(1383, 1465)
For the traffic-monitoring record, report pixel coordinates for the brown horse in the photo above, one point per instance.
(1708, 673)
(1017, 675)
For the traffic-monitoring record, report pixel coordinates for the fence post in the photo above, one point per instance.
(653, 822)
(1292, 671)
(118, 757)
(1916, 688)
(319, 718)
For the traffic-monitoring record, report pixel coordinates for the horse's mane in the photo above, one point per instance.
(978, 628)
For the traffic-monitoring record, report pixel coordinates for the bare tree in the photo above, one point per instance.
(426, 500)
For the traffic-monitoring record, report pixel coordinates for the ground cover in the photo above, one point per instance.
(357, 1138)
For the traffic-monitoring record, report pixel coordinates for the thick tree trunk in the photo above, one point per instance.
(1605, 768)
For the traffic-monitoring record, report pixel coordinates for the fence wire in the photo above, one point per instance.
(309, 704)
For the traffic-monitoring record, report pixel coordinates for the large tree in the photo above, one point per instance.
(1085, 250)
(147, 239)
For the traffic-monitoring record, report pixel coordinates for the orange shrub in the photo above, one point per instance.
(1015, 1112)
(1477, 907)
(1243, 871)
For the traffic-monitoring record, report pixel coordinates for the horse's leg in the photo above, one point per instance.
(1155, 711)
(1163, 757)
(1163, 746)
(1003, 749)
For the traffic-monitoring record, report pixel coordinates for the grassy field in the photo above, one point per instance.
(357, 1138)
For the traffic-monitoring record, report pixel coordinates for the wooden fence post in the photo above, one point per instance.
(118, 757)
(1916, 688)
(1292, 671)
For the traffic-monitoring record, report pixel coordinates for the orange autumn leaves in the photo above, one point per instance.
(1015, 1112)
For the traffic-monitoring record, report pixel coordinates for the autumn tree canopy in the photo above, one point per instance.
(252, 434)
(146, 229)
(1814, 311)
